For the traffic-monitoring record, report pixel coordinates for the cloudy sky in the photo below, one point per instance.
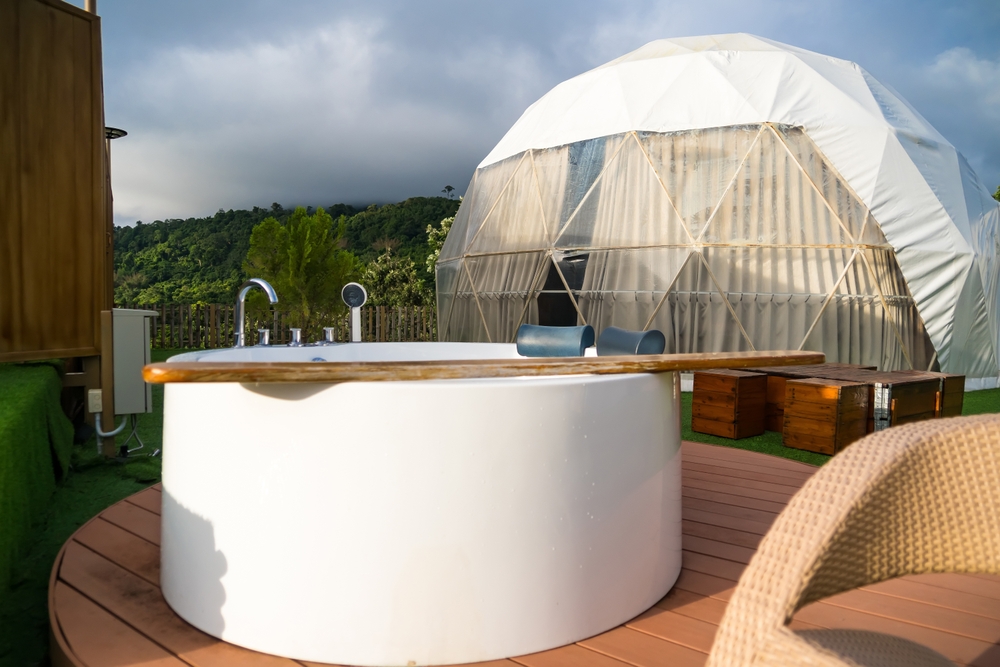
(231, 104)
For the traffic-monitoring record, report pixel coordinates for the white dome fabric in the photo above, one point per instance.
(894, 228)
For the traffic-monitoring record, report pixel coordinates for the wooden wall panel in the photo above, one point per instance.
(54, 255)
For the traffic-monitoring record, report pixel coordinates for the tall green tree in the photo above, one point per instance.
(435, 241)
(996, 195)
(305, 262)
(391, 280)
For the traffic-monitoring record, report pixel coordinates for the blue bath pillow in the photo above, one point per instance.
(539, 341)
(615, 341)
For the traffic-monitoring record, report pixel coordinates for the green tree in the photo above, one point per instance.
(391, 280)
(201, 259)
(435, 241)
(305, 263)
(996, 195)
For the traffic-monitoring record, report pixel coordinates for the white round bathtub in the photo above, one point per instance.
(419, 522)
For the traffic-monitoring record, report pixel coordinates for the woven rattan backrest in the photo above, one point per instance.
(911, 499)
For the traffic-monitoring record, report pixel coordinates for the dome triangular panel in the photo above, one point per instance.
(515, 220)
(698, 167)
(771, 202)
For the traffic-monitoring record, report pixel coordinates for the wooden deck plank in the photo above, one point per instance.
(989, 658)
(748, 513)
(773, 488)
(717, 493)
(770, 462)
(913, 588)
(135, 520)
(98, 638)
(490, 663)
(714, 531)
(748, 526)
(918, 613)
(959, 649)
(680, 601)
(789, 476)
(138, 556)
(573, 655)
(965, 583)
(140, 604)
(706, 584)
(678, 628)
(744, 471)
(642, 650)
(717, 567)
(150, 499)
(730, 499)
(720, 452)
(718, 549)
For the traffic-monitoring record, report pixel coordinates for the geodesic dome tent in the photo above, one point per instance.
(737, 194)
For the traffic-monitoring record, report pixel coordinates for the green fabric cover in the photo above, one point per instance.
(36, 441)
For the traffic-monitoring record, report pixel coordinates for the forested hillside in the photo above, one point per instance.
(405, 223)
(201, 259)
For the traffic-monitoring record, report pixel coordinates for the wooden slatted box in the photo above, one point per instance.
(777, 376)
(894, 397)
(823, 415)
(951, 392)
(728, 403)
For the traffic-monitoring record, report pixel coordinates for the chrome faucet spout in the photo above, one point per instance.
(241, 305)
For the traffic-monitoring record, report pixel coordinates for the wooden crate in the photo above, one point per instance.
(894, 397)
(774, 405)
(823, 415)
(728, 403)
(951, 392)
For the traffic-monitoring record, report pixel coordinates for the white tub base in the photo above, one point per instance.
(434, 522)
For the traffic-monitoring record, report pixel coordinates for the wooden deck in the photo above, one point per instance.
(106, 608)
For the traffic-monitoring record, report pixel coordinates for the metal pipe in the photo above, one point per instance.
(241, 305)
(355, 325)
(110, 434)
(90, 6)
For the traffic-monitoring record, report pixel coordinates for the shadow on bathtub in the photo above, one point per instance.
(192, 537)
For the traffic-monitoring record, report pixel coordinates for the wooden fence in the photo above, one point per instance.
(206, 326)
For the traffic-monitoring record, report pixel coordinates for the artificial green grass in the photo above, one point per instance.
(981, 402)
(92, 484)
(35, 442)
(768, 443)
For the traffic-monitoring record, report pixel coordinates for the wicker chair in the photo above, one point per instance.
(912, 499)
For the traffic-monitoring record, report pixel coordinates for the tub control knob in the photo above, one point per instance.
(264, 336)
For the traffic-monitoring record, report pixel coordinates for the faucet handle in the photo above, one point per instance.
(264, 337)
(296, 337)
(328, 334)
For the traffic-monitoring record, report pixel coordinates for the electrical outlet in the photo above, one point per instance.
(95, 401)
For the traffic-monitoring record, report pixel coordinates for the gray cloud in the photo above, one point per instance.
(960, 94)
(235, 104)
